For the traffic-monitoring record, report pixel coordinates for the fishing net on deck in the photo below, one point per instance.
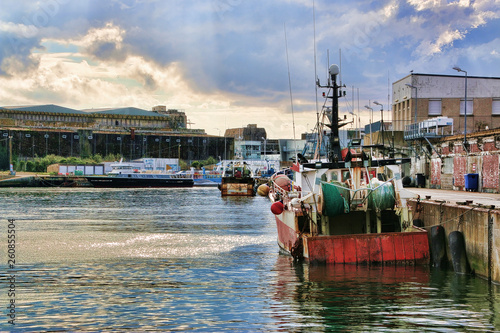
(383, 197)
(335, 198)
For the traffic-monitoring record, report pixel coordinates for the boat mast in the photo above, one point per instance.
(334, 153)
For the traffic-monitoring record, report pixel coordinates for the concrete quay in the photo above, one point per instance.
(486, 199)
(475, 214)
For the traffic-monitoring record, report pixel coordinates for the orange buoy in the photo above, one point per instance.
(277, 208)
(263, 190)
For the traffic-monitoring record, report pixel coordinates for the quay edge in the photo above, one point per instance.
(479, 223)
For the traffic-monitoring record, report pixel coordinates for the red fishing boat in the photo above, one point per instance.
(348, 209)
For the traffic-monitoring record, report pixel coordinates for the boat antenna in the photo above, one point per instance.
(327, 64)
(290, 88)
(340, 67)
(316, 152)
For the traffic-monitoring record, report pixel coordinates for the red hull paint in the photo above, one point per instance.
(286, 235)
(397, 247)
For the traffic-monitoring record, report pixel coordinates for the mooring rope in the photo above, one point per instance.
(459, 217)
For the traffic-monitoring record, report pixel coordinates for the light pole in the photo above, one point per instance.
(458, 69)
(355, 124)
(11, 167)
(263, 138)
(371, 120)
(381, 119)
(381, 110)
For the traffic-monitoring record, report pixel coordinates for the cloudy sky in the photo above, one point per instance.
(225, 61)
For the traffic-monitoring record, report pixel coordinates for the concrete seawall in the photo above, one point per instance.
(476, 216)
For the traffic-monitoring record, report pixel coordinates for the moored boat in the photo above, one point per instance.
(237, 180)
(124, 175)
(139, 180)
(349, 209)
(205, 178)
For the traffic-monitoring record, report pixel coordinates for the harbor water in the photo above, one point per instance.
(188, 260)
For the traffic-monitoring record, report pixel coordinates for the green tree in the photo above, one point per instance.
(97, 158)
(209, 161)
(30, 166)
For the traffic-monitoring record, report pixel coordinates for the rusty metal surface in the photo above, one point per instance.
(398, 247)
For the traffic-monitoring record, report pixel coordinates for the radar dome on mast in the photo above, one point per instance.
(334, 70)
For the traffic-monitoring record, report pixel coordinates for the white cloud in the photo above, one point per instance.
(224, 61)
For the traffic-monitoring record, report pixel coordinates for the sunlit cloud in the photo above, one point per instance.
(224, 62)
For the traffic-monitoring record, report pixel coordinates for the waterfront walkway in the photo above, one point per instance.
(458, 196)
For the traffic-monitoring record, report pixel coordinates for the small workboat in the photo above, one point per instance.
(237, 180)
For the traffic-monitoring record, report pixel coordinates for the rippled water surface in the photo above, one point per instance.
(189, 260)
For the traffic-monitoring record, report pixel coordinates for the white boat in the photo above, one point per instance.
(126, 175)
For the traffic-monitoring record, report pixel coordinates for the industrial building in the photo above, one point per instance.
(451, 127)
(130, 132)
(418, 97)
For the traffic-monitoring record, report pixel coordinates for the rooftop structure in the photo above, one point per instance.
(109, 119)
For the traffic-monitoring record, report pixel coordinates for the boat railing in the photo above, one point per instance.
(292, 193)
(278, 189)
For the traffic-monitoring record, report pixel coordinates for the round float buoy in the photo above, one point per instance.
(283, 181)
(263, 190)
(277, 208)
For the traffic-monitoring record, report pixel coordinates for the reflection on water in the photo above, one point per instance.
(361, 298)
(187, 259)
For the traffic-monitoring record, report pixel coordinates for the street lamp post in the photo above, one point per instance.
(263, 138)
(355, 123)
(381, 110)
(381, 119)
(11, 167)
(371, 121)
(458, 69)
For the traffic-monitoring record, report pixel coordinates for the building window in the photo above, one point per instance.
(495, 107)
(435, 107)
(469, 107)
